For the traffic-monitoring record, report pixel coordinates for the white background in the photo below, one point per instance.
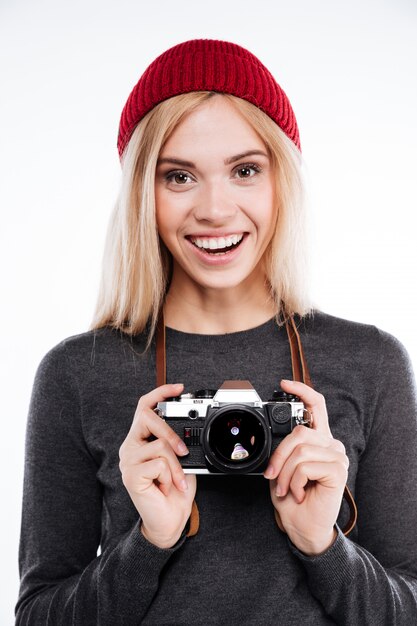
(67, 68)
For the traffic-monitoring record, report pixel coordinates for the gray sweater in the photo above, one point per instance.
(239, 568)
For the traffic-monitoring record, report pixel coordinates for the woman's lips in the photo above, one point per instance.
(216, 242)
(218, 256)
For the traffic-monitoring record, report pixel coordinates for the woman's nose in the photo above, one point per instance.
(215, 205)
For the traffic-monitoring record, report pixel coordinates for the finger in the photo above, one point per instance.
(159, 394)
(146, 422)
(303, 455)
(150, 425)
(330, 475)
(159, 448)
(144, 481)
(313, 401)
(299, 436)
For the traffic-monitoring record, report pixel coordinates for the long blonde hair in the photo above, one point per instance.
(136, 264)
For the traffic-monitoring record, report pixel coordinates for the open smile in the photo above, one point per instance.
(217, 245)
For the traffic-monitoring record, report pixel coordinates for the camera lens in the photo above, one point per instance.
(236, 439)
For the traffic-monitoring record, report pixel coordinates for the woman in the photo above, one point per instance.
(207, 237)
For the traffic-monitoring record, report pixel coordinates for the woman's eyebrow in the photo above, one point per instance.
(175, 161)
(228, 161)
(243, 155)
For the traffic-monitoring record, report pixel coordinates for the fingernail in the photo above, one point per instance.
(183, 485)
(182, 448)
(278, 491)
(269, 471)
(287, 382)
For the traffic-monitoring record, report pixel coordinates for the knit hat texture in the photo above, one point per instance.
(207, 65)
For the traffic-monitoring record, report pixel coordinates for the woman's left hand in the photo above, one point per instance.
(307, 473)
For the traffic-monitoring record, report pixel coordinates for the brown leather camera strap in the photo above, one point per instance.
(300, 374)
(161, 361)
(300, 371)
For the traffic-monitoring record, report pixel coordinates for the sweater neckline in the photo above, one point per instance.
(252, 337)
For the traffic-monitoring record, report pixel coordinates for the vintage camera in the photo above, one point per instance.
(231, 431)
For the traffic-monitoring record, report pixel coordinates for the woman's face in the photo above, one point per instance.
(215, 202)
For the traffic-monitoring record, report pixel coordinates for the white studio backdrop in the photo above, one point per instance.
(66, 70)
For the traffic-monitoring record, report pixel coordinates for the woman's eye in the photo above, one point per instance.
(247, 171)
(179, 178)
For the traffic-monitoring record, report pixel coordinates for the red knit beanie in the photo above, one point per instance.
(207, 65)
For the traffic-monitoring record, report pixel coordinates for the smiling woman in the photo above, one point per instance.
(213, 122)
(204, 282)
(219, 197)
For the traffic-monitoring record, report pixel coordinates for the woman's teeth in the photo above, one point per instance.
(217, 245)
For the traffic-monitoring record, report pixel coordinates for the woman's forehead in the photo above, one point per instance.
(215, 127)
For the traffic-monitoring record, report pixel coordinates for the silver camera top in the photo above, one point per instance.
(195, 405)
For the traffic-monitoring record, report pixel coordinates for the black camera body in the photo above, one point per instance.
(231, 430)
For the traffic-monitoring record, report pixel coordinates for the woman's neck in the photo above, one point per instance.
(218, 311)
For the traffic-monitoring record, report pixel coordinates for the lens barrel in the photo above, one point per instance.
(236, 439)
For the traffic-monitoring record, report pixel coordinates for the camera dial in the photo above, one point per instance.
(205, 394)
(283, 396)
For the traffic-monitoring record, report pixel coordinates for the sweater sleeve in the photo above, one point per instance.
(63, 581)
(373, 580)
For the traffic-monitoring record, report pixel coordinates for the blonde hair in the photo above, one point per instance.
(136, 264)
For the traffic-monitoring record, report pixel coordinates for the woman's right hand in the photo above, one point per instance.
(152, 474)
